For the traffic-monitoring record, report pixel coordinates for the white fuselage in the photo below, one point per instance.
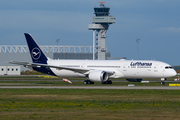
(121, 68)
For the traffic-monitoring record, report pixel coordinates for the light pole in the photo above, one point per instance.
(57, 41)
(137, 47)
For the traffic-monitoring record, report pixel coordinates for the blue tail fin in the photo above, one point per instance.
(36, 53)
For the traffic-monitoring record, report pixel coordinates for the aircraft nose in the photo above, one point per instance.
(174, 73)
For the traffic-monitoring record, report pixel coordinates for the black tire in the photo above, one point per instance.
(85, 82)
(162, 82)
(88, 82)
(109, 82)
(92, 82)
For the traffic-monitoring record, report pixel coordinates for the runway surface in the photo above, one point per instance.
(91, 87)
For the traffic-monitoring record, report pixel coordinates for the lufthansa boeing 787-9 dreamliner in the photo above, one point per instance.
(95, 70)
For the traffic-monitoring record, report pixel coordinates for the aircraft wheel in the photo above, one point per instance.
(84, 82)
(92, 82)
(103, 82)
(162, 82)
(88, 82)
(109, 82)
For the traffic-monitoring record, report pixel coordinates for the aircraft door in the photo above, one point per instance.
(125, 67)
(163, 71)
(156, 66)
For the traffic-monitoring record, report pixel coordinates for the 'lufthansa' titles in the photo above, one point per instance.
(140, 64)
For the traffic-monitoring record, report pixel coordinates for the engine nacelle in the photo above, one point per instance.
(98, 76)
(134, 80)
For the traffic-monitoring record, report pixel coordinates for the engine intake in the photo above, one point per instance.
(98, 76)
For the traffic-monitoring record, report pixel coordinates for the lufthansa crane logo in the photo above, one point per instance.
(36, 53)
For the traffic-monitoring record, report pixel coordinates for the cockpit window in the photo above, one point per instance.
(168, 67)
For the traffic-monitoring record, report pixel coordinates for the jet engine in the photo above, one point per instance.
(98, 76)
(134, 80)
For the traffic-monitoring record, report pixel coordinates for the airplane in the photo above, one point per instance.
(95, 70)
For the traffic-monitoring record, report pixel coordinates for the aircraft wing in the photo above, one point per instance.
(20, 63)
(79, 70)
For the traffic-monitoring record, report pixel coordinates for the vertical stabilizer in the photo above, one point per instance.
(35, 51)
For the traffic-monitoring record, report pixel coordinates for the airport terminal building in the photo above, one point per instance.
(10, 70)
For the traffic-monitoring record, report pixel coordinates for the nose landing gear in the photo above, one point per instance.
(162, 81)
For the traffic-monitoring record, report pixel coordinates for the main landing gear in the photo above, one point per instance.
(107, 82)
(88, 82)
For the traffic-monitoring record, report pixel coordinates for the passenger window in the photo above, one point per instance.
(2, 69)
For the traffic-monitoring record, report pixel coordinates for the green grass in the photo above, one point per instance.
(88, 104)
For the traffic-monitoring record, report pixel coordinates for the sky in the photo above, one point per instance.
(155, 22)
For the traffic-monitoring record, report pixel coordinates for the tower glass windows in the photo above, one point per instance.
(101, 11)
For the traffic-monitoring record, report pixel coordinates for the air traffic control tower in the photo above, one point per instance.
(100, 25)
